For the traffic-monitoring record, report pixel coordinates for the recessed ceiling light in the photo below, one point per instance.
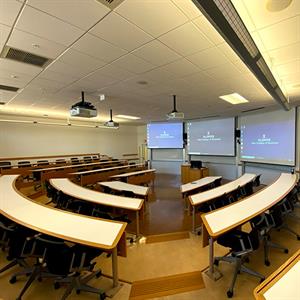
(234, 98)
(142, 82)
(127, 117)
(277, 5)
(35, 45)
(13, 76)
(45, 115)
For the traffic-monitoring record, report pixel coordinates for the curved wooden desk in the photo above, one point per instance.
(231, 216)
(75, 228)
(138, 177)
(203, 197)
(71, 189)
(283, 283)
(92, 176)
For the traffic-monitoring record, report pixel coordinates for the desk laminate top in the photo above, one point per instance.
(223, 219)
(221, 190)
(106, 169)
(123, 186)
(134, 173)
(79, 192)
(76, 228)
(75, 166)
(283, 283)
(198, 183)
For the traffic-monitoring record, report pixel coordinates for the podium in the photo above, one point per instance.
(189, 174)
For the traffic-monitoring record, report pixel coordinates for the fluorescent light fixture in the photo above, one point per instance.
(234, 98)
(127, 117)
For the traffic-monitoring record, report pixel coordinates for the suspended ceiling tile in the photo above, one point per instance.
(208, 30)
(9, 10)
(82, 14)
(157, 17)
(281, 34)
(288, 68)
(208, 58)
(181, 68)
(188, 8)
(156, 53)
(285, 54)
(4, 32)
(48, 27)
(98, 48)
(228, 52)
(133, 64)
(6, 96)
(120, 32)
(78, 59)
(115, 72)
(159, 75)
(56, 76)
(70, 70)
(186, 39)
(8, 65)
(262, 17)
(34, 44)
(226, 70)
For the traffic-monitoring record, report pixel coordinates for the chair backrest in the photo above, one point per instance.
(42, 162)
(74, 160)
(60, 161)
(87, 159)
(24, 164)
(5, 164)
(129, 194)
(256, 181)
(217, 182)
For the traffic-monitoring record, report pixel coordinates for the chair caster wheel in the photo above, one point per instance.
(108, 255)
(131, 241)
(56, 285)
(298, 237)
(247, 260)
(229, 294)
(13, 280)
(216, 262)
(102, 296)
(286, 250)
(262, 280)
(198, 233)
(267, 263)
(77, 292)
(98, 274)
(40, 279)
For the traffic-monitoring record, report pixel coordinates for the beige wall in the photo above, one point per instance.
(37, 139)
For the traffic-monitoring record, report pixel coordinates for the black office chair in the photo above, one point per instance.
(247, 189)
(241, 244)
(256, 181)
(264, 223)
(7, 227)
(74, 161)
(42, 163)
(217, 182)
(287, 206)
(5, 165)
(65, 264)
(87, 159)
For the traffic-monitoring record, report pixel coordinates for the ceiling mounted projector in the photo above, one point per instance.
(111, 123)
(174, 114)
(83, 109)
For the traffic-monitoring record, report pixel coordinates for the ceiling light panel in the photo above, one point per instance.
(234, 98)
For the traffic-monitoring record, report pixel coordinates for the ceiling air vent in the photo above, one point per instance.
(8, 88)
(112, 4)
(253, 109)
(25, 57)
(2, 103)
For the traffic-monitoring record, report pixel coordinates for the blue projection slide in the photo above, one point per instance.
(165, 135)
(270, 142)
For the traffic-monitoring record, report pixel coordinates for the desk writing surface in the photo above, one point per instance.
(106, 169)
(72, 227)
(133, 173)
(228, 216)
(77, 191)
(123, 186)
(221, 190)
(198, 183)
(287, 287)
(75, 166)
